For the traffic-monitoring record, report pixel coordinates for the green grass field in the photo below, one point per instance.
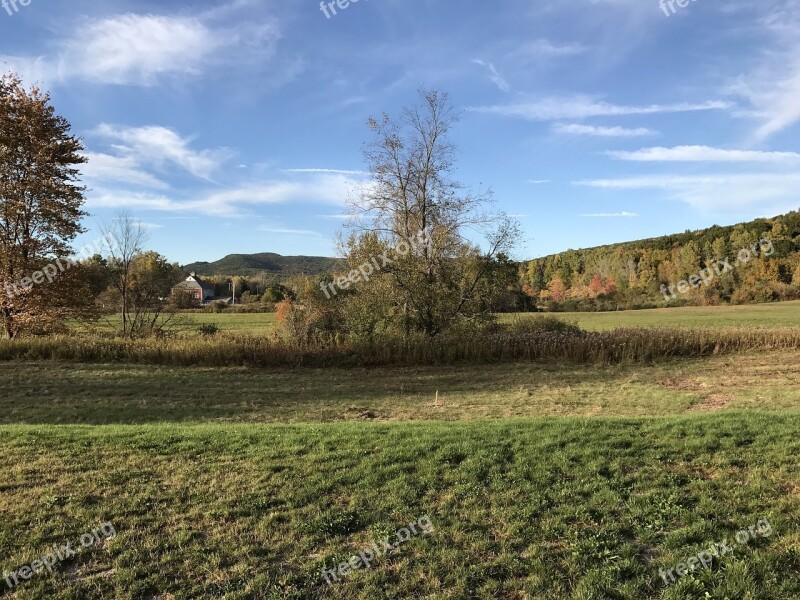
(66, 393)
(782, 314)
(189, 323)
(565, 508)
(540, 480)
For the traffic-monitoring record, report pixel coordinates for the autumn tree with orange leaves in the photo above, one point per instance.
(40, 208)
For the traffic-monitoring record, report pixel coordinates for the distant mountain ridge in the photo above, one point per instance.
(266, 262)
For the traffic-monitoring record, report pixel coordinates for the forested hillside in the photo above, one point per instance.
(265, 262)
(631, 275)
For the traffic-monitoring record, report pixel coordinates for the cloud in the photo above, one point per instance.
(494, 76)
(601, 131)
(543, 48)
(106, 198)
(142, 49)
(772, 84)
(161, 146)
(706, 154)
(121, 169)
(538, 181)
(610, 215)
(331, 189)
(141, 223)
(769, 192)
(336, 171)
(583, 107)
(137, 49)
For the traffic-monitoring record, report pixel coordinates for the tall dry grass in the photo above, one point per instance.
(618, 346)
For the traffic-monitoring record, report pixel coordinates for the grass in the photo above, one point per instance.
(542, 479)
(570, 508)
(776, 315)
(762, 316)
(43, 392)
(189, 323)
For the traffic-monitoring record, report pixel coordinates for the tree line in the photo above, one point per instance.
(631, 275)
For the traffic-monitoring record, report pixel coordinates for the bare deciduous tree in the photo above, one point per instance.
(130, 236)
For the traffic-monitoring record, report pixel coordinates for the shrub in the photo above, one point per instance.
(218, 306)
(208, 329)
(183, 301)
(540, 324)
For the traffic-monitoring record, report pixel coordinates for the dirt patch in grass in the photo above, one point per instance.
(713, 402)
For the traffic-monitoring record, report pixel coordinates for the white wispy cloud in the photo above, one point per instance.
(543, 48)
(494, 76)
(601, 131)
(141, 223)
(611, 215)
(141, 49)
(134, 48)
(772, 82)
(705, 154)
(583, 107)
(236, 200)
(162, 146)
(769, 192)
(107, 168)
(336, 171)
(538, 181)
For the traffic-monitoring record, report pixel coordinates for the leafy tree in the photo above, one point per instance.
(689, 260)
(444, 280)
(596, 287)
(40, 208)
(557, 290)
(150, 279)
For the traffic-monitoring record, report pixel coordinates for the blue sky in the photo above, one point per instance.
(237, 127)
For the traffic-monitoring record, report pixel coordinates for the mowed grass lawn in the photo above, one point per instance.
(781, 314)
(68, 393)
(531, 508)
(541, 481)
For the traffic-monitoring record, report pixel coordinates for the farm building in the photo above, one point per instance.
(195, 288)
